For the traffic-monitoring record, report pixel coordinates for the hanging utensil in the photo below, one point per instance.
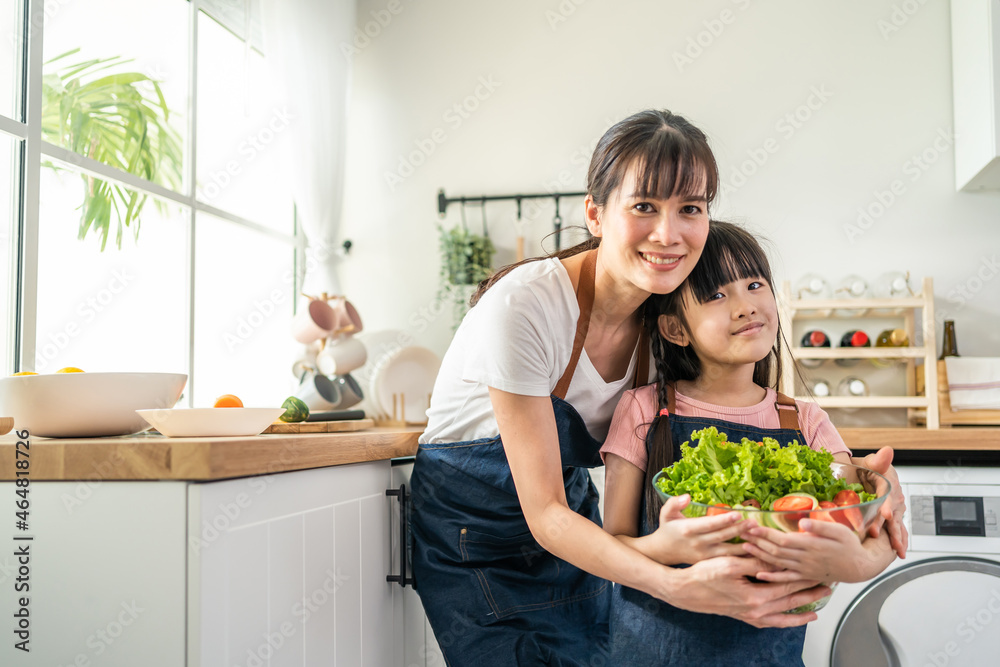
(486, 232)
(519, 228)
(557, 226)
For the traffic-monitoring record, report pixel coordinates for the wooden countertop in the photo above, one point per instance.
(957, 438)
(154, 457)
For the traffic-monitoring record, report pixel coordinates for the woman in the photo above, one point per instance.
(510, 560)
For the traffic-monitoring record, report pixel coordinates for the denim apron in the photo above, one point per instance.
(492, 594)
(647, 631)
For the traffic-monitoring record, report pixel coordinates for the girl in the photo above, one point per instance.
(716, 345)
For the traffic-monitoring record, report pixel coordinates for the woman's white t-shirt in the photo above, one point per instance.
(518, 339)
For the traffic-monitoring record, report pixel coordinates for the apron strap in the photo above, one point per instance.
(788, 412)
(642, 363)
(585, 299)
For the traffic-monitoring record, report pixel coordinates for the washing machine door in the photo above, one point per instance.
(950, 617)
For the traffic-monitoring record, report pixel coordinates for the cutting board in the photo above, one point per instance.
(339, 426)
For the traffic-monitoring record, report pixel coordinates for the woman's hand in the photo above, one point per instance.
(720, 586)
(891, 511)
(826, 551)
(679, 539)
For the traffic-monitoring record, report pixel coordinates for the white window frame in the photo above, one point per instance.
(21, 354)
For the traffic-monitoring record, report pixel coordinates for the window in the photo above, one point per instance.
(176, 253)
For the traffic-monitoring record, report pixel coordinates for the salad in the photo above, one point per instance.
(760, 476)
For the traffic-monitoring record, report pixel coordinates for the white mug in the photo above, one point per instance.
(318, 392)
(315, 321)
(341, 355)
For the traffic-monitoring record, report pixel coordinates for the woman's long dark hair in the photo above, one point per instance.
(731, 253)
(670, 155)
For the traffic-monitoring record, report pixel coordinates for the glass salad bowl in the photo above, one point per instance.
(845, 508)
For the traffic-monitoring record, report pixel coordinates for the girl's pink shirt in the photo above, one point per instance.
(636, 409)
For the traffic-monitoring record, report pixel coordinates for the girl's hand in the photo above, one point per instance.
(720, 586)
(679, 539)
(891, 511)
(826, 551)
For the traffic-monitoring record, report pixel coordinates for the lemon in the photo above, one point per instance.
(24, 373)
(69, 369)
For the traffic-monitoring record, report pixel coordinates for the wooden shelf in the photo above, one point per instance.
(867, 401)
(864, 305)
(902, 309)
(858, 352)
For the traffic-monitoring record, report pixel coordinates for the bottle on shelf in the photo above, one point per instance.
(814, 338)
(891, 285)
(853, 338)
(890, 338)
(820, 388)
(949, 346)
(811, 286)
(852, 386)
(852, 287)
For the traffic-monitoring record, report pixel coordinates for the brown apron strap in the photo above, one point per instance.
(642, 363)
(671, 400)
(788, 412)
(585, 299)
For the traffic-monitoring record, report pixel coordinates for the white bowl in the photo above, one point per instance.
(211, 422)
(82, 405)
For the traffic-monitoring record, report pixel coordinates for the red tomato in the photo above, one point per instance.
(751, 502)
(787, 503)
(718, 509)
(846, 497)
(826, 504)
(848, 516)
(820, 516)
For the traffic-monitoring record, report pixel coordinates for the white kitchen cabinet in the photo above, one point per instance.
(277, 570)
(289, 569)
(975, 39)
(413, 640)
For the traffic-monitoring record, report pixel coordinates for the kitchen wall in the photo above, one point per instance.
(832, 123)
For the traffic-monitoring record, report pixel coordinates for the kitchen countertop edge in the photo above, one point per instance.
(153, 457)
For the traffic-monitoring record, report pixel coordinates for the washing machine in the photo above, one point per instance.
(938, 607)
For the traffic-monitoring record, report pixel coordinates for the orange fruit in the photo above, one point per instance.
(24, 373)
(228, 401)
(69, 369)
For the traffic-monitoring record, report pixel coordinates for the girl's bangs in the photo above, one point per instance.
(735, 256)
(671, 164)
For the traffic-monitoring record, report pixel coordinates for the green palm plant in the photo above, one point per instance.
(118, 118)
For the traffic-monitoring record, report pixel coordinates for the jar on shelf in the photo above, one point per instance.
(820, 388)
(852, 386)
(852, 287)
(855, 338)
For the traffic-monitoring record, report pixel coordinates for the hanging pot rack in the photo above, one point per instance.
(444, 201)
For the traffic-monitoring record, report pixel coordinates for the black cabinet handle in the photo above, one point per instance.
(401, 578)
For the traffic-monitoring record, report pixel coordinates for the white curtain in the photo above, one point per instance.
(302, 41)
